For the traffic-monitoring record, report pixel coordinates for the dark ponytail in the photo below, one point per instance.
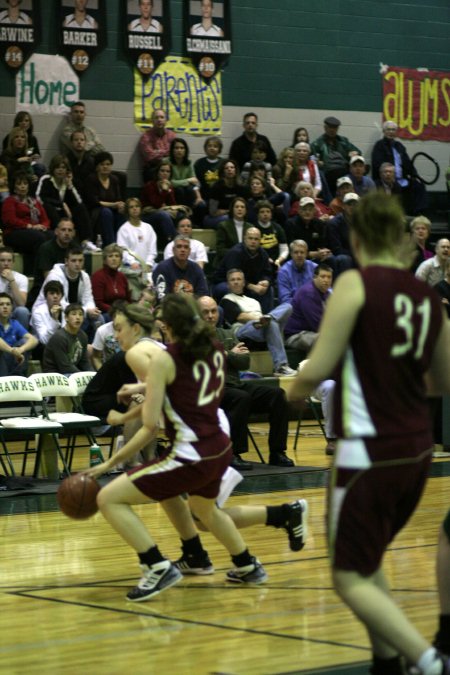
(182, 315)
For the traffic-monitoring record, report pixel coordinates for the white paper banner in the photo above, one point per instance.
(46, 85)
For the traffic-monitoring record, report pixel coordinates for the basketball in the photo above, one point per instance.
(77, 496)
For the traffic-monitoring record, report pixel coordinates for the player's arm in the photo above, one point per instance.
(438, 375)
(136, 443)
(339, 319)
(159, 376)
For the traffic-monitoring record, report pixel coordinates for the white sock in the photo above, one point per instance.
(429, 664)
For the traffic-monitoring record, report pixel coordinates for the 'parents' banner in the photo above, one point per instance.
(418, 101)
(192, 105)
(46, 84)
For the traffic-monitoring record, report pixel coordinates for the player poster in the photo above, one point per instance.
(207, 29)
(82, 31)
(19, 30)
(148, 34)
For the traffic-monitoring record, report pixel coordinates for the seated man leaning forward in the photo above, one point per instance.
(245, 316)
(302, 328)
(241, 397)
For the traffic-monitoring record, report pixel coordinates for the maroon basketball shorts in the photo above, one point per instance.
(172, 475)
(367, 506)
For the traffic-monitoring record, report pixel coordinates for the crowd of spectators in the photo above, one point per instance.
(281, 234)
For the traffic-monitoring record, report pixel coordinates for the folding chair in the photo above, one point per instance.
(316, 409)
(73, 422)
(79, 382)
(19, 389)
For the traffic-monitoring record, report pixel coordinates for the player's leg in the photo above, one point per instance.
(194, 558)
(115, 502)
(442, 639)
(247, 568)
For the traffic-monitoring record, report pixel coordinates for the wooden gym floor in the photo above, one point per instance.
(63, 585)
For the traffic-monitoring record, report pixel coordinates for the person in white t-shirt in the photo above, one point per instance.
(145, 23)
(198, 252)
(15, 284)
(138, 237)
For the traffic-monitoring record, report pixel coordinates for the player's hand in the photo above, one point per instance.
(97, 470)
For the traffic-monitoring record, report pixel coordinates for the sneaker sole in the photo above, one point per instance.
(170, 583)
(248, 583)
(196, 571)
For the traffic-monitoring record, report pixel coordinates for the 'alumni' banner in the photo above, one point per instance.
(418, 101)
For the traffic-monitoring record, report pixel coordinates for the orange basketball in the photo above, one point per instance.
(77, 496)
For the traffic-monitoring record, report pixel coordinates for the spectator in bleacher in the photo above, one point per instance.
(304, 189)
(333, 152)
(159, 203)
(306, 168)
(432, 271)
(138, 237)
(283, 171)
(75, 122)
(344, 184)
(362, 184)
(184, 181)
(420, 228)
(108, 283)
(296, 272)
(261, 187)
(249, 257)
(25, 223)
(308, 305)
(16, 285)
(4, 183)
(178, 274)
(105, 343)
(387, 181)
(258, 156)
(104, 198)
(207, 168)
(15, 341)
(198, 252)
(245, 315)
(301, 135)
(339, 228)
(231, 231)
(49, 316)
(222, 193)
(389, 149)
(240, 398)
(24, 121)
(16, 157)
(61, 199)
(154, 144)
(51, 252)
(66, 351)
(81, 160)
(273, 237)
(305, 225)
(443, 288)
(241, 147)
(77, 288)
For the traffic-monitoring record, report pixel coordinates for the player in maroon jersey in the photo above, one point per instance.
(387, 336)
(185, 383)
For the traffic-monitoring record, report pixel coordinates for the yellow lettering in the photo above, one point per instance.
(445, 84)
(390, 103)
(431, 97)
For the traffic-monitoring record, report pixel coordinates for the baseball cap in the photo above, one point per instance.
(357, 158)
(350, 197)
(304, 201)
(344, 180)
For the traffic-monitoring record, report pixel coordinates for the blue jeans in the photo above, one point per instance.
(272, 334)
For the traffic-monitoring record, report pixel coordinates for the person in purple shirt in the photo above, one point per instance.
(302, 328)
(178, 274)
(296, 272)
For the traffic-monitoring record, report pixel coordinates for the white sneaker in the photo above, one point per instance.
(89, 247)
(284, 371)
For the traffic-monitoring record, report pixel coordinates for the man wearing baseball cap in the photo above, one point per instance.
(362, 184)
(339, 234)
(333, 152)
(343, 185)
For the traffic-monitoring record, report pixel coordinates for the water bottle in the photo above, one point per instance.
(95, 455)
(99, 241)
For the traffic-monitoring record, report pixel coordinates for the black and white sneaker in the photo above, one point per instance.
(190, 564)
(250, 574)
(155, 579)
(297, 524)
